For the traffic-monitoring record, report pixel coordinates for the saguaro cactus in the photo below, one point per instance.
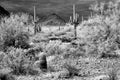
(75, 20)
(35, 20)
(70, 20)
(37, 28)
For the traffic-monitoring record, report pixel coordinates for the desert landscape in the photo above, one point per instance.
(60, 40)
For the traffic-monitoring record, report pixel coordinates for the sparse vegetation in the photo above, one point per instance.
(92, 53)
(72, 70)
(113, 74)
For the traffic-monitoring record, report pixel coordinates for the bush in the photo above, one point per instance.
(72, 70)
(17, 61)
(21, 40)
(53, 48)
(6, 76)
(101, 31)
(2, 61)
(113, 74)
(13, 32)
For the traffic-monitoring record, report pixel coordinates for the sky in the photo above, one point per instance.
(45, 7)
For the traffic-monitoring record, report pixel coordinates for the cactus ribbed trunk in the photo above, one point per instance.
(75, 32)
(75, 21)
(35, 20)
(74, 16)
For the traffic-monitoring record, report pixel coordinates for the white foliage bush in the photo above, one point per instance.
(92, 29)
(14, 27)
(17, 61)
(102, 31)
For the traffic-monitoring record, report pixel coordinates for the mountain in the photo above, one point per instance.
(46, 7)
(3, 12)
(53, 19)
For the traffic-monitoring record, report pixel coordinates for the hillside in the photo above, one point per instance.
(3, 12)
(53, 19)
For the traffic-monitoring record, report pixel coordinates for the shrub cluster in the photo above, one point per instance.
(101, 32)
(14, 32)
(16, 60)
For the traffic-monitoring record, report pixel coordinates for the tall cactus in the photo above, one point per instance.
(70, 20)
(75, 21)
(91, 14)
(35, 20)
(36, 27)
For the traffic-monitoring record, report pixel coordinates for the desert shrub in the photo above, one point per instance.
(7, 76)
(50, 69)
(66, 39)
(35, 50)
(17, 61)
(63, 74)
(113, 74)
(21, 40)
(40, 37)
(57, 63)
(13, 32)
(92, 30)
(73, 71)
(101, 32)
(107, 48)
(53, 48)
(2, 62)
(73, 53)
(105, 9)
